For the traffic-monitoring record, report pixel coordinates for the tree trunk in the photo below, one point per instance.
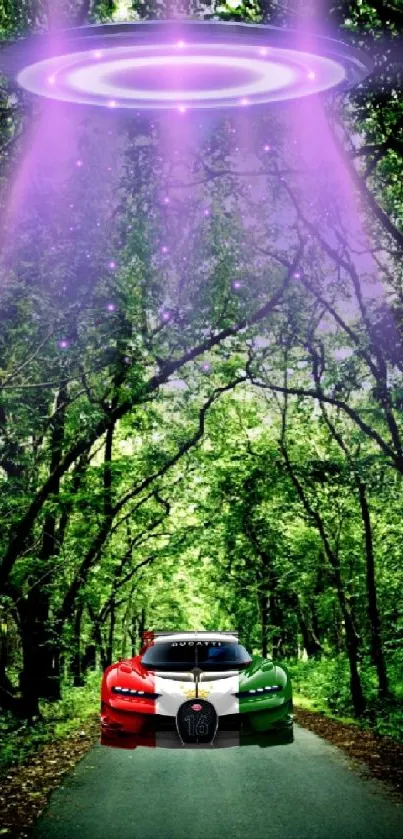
(352, 639)
(75, 665)
(8, 699)
(111, 633)
(316, 632)
(312, 646)
(352, 645)
(135, 644)
(276, 626)
(264, 615)
(89, 658)
(42, 647)
(373, 612)
(40, 674)
(142, 623)
(29, 673)
(337, 639)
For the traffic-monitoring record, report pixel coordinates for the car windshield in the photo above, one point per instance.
(184, 655)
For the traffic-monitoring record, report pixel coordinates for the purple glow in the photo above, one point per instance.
(111, 307)
(236, 284)
(266, 147)
(164, 249)
(112, 265)
(206, 75)
(63, 344)
(166, 316)
(206, 367)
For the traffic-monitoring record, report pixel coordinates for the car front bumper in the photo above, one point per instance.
(125, 729)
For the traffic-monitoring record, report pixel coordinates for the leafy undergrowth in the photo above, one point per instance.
(34, 758)
(26, 787)
(58, 719)
(323, 686)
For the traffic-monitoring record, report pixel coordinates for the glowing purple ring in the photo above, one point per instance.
(268, 65)
(283, 74)
(264, 71)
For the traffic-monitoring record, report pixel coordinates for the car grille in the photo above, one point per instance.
(196, 721)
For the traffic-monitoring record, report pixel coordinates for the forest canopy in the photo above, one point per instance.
(201, 377)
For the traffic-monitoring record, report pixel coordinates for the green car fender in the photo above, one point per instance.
(265, 693)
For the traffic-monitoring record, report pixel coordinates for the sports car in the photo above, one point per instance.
(195, 689)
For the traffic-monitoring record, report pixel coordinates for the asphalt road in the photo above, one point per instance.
(307, 790)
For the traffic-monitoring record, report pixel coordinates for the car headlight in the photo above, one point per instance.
(256, 692)
(141, 694)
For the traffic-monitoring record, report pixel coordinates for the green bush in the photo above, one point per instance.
(324, 685)
(19, 739)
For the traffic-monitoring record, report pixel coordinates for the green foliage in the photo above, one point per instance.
(144, 482)
(248, 11)
(18, 739)
(324, 686)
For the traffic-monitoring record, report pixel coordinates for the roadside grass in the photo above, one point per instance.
(78, 706)
(322, 685)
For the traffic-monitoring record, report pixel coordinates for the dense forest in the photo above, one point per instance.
(201, 424)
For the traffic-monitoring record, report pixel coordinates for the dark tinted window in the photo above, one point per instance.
(183, 655)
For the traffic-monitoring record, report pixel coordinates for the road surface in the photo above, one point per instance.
(307, 790)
